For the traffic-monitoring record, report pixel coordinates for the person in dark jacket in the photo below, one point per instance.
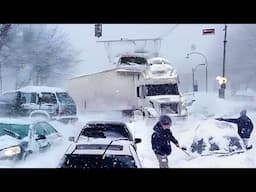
(161, 140)
(245, 127)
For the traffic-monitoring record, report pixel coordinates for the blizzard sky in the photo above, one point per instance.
(175, 45)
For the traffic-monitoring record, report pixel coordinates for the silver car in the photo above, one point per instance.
(21, 137)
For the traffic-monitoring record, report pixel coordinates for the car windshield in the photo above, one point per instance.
(18, 131)
(99, 130)
(82, 161)
(210, 145)
(64, 98)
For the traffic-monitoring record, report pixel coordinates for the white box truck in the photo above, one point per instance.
(137, 83)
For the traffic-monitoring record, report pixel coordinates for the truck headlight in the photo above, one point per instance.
(11, 151)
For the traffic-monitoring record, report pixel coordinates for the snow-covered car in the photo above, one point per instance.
(39, 101)
(107, 129)
(215, 137)
(21, 137)
(101, 153)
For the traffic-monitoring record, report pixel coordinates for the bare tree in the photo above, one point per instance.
(38, 54)
(4, 29)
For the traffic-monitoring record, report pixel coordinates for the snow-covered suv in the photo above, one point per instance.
(39, 101)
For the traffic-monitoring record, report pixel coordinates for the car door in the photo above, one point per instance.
(40, 136)
(52, 134)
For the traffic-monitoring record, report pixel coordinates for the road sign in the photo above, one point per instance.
(208, 31)
(98, 30)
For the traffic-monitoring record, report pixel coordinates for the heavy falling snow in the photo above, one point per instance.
(38, 55)
(203, 112)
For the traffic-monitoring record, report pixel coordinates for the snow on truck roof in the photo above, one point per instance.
(39, 89)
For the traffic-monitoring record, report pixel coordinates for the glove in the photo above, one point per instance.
(184, 148)
(177, 145)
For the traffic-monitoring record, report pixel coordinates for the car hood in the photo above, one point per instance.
(8, 141)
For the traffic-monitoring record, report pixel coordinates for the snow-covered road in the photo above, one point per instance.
(207, 109)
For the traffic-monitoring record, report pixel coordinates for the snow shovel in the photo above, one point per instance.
(184, 149)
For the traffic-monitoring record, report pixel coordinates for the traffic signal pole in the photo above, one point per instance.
(223, 85)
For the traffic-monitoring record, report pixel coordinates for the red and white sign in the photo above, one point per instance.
(208, 31)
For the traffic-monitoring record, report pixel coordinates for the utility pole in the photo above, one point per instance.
(224, 51)
(223, 84)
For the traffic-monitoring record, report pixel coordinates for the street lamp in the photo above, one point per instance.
(193, 77)
(205, 63)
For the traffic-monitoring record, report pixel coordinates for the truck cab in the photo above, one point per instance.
(158, 92)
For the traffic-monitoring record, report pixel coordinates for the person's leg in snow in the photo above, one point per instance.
(163, 161)
(245, 141)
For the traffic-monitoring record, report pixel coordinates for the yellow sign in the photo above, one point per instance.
(222, 80)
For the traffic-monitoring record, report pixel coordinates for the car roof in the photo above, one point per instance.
(115, 122)
(84, 146)
(39, 89)
(212, 128)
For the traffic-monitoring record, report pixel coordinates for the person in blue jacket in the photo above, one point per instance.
(161, 140)
(245, 127)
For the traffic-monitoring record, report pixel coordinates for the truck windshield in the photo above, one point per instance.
(82, 161)
(133, 60)
(163, 89)
(64, 98)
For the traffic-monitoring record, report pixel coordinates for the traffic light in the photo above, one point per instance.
(98, 30)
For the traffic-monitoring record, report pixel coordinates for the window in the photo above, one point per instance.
(133, 60)
(138, 91)
(48, 98)
(39, 129)
(28, 97)
(95, 161)
(16, 130)
(163, 89)
(64, 98)
(49, 129)
(106, 130)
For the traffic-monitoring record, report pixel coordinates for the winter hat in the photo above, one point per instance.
(243, 112)
(165, 120)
